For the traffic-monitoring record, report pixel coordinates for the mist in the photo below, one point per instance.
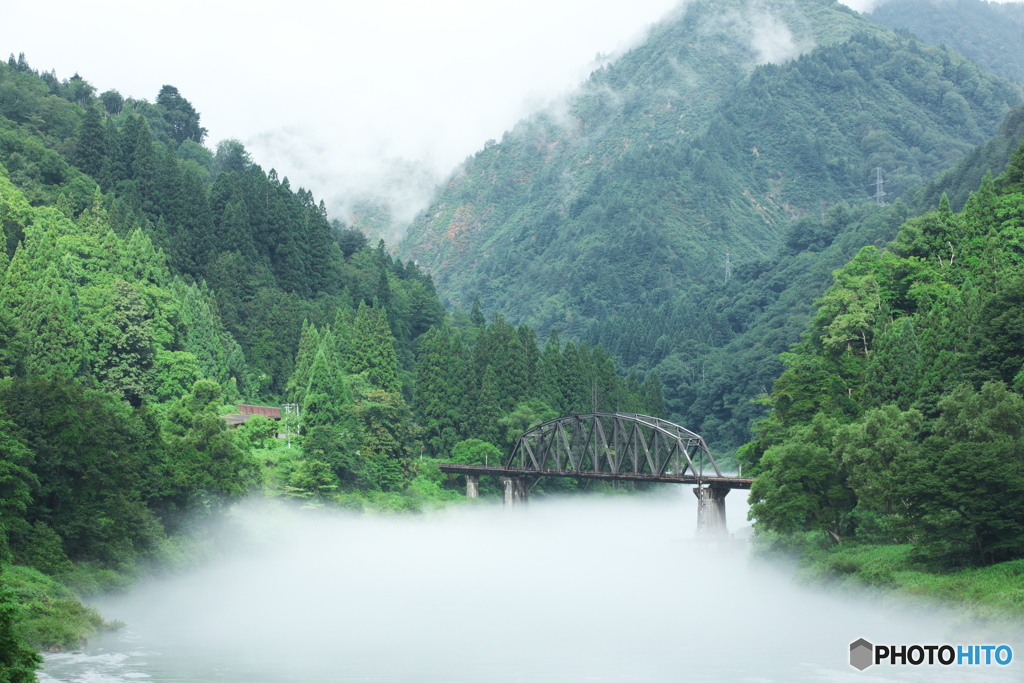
(773, 42)
(359, 102)
(336, 96)
(609, 589)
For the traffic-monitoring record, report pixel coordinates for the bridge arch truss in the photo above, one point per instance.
(613, 444)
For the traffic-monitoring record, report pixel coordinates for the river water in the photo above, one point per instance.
(608, 589)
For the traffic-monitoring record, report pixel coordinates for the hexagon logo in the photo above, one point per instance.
(861, 654)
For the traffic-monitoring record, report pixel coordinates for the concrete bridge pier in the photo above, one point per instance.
(711, 511)
(472, 486)
(516, 491)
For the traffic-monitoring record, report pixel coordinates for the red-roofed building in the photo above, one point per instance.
(247, 411)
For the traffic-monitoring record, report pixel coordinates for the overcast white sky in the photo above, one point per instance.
(335, 94)
(339, 96)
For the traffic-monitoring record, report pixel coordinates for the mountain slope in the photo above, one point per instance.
(768, 303)
(898, 417)
(660, 93)
(611, 221)
(646, 187)
(987, 32)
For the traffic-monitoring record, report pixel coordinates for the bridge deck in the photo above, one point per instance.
(496, 471)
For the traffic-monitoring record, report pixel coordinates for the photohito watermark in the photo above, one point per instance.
(863, 654)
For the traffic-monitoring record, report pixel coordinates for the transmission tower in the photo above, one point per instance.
(728, 266)
(879, 193)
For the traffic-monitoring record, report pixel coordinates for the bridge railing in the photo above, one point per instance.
(501, 471)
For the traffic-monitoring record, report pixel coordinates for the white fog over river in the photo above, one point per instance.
(582, 589)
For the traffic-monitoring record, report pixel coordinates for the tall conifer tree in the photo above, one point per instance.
(891, 374)
(145, 167)
(91, 147)
(326, 393)
(309, 343)
(112, 168)
(549, 374)
(488, 408)
(373, 350)
(51, 334)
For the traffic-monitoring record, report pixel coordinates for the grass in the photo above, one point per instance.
(992, 593)
(52, 617)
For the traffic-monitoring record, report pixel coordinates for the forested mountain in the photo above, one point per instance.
(611, 221)
(898, 418)
(768, 303)
(269, 255)
(148, 285)
(987, 32)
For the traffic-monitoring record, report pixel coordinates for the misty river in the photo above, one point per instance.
(581, 589)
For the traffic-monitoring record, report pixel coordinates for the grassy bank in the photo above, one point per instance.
(992, 593)
(52, 617)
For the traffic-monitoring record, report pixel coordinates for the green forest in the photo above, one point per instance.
(690, 216)
(987, 32)
(690, 150)
(897, 421)
(149, 285)
(697, 239)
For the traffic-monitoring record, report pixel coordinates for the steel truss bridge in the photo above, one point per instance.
(616, 447)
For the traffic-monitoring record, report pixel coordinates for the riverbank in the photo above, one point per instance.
(51, 616)
(989, 594)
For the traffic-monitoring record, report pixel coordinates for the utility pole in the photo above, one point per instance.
(879, 193)
(290, 409)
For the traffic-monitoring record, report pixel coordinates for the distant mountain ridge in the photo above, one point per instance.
(682, 150)
(610, 219)
(663, 91)
(990, 33)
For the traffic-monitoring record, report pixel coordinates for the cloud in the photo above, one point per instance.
(862, 6)
(338, 95)
(765, 37)
(334, 95)
(867, 6)
(772, 41)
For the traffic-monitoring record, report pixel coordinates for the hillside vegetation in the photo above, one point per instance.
(766, 305)
(987, 32)
(148, 285)
(610, 220)
(898, 418)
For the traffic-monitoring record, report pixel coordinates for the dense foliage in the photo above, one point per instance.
(18, 662)
(504, 384)
(987, 32)
(147, 285)
(711, 382)
(262, 256)
(613, 221)
(898, 418)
